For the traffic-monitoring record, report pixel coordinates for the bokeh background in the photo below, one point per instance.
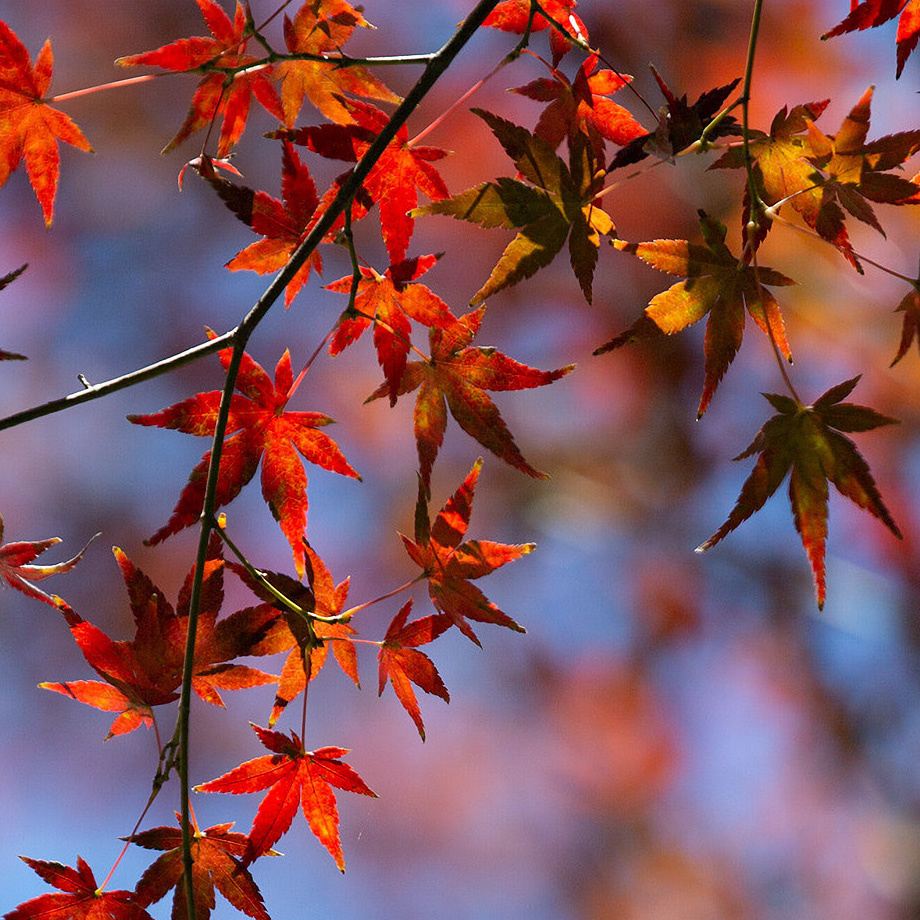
(676, 736)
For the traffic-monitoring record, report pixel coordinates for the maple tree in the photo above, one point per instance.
(276, 85)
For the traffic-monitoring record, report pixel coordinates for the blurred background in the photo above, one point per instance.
(677, 736)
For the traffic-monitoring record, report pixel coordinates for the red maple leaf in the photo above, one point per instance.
(216, 863)
(147, 671)
(516, 16)
(291, 633)
(282, 224)
(293, 776)
(807, 441)
(400, 661)
(389, 301)
(17, 570)
(456, 377)
(82, 899)
(29, 127)
(871, 13)
(214, 97)
(910, 328)
(448, 562)
(259, 430)
(395, 179)
(580, 107)
(321, 29)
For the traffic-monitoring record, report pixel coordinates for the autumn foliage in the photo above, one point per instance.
(356, 186)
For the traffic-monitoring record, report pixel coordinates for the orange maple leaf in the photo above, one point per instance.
(217, 94)
(17, 570)
(147, 671)
(318, 29)
(449, 562)
(517, 16)
(389, 301)
(259, 430)
(282, 224)
(400, 661)
(456, 377)
(580, 106)
(395, 179)
(307, 645)
(216, 863)
(293, 776)
(871, 13)
(29, 127)
(717, 284)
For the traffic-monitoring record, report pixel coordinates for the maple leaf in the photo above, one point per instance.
(579, 107)
(807, 440)
(395, 179)
(82, 898)
(716, 284)
(219, 93)
(822, 176)
(403, 664)
(517, 16)
(855, 172)
(292, 775)
(910, 307)
(282, 224)
(320, 27)
(680, 124)
(389, 301)
(216, 863)
(147, 671)
(449, 562)
(558, 205)
(29, 127)
(291, 633)
(456, 377)
(782, 171)
(871, 13)
(259, 430)
(18, 571)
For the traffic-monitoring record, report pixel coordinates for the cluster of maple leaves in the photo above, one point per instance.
(553, 199)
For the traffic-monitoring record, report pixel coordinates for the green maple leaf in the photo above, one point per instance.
(806, 440)
(555, 204)
(718, 284)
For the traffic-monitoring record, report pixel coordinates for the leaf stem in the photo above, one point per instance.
(96, 391)
(456, 105)
(439, 62)
(115, 84)
(756, 204)
(348, 614)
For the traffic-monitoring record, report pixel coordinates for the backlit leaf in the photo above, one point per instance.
(456, 377)
(717, 284)
(259, 431)
(292, 776)
(29, 127)
(806, 442)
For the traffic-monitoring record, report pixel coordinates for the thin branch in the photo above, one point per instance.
(435, 67)
(96, 391)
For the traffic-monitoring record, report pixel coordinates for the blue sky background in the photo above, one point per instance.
(676, 736)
